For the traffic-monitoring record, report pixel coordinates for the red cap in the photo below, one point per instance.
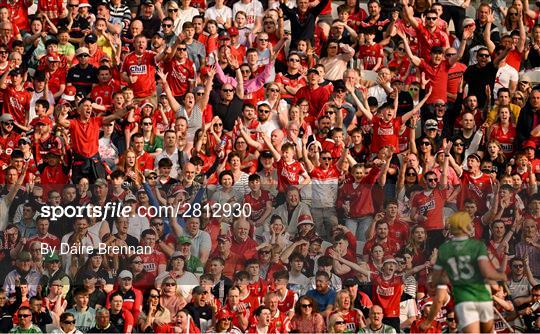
(41, 120)
(69, 93)
(425, 302)
(223, 314)
(305, 219)
(55, 151)
(233, 31)
(53, 56)
(224, 237)
(529, 143)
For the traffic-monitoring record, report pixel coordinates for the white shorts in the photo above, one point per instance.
(470, 312)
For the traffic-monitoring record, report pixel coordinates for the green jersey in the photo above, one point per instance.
(459, 258)
(19, 330)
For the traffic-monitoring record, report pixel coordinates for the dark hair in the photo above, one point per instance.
(298, 305)
(282, 274)
(146, 306)
(225, 173)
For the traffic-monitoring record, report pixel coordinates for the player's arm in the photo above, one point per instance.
(488, 271)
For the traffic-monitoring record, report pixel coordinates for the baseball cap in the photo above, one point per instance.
(90, 39)
(24, 256)
(183, 239)
(51, 258)
(431, 124)
(100, 182)
(55, 151)
(82, 50)
(69, 93)
(529, 143)
(388, 259)
(233, 31)
(41, 120)
(223, 238)
(474, 156)
(223, 314)
(85, 3)
(147, 2)
(305, 219)
(351, 281)
(125, 274)
(6, 118)
(266, 154)
(147, 103)
(24, 140)
(467, 22)
(130, 198)
(177, 254)
(224, 35)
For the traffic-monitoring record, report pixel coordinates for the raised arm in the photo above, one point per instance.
(417, 108)
(175, 106)
(414, 59)
(207, 88)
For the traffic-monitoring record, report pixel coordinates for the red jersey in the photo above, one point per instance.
(439, 79)
(352, 319)
(506, 139)
(431, 206)
(102, 93)
(48, 239)
(247, 313)
(428, 39)
(455, 76)
(179, 75)
(145, 162)
(288, 173)
(144, 67)
(84, 136)
(385, 133)
(387, 294)
(7, 145)
(290, 80)
(370, 55)
(251, 301)
(359, 195)
(390, 246)
(18, 11)
(54, 178)
(435, 327)
(258, 205)
(16, 103)
(316, 98)
(399, 230)
(476, 188)
(280, 323)
(56, 79)
(287, 303)
(258, 288)
(152, 261)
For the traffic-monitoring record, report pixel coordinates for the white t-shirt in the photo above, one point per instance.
(213, 13)
(505, 75)
(253, 9)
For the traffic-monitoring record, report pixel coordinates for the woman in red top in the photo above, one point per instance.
(504, 131)
(248, 160)
(343, 307)
(203, 149)
(400, 63)
(128, 164)
(416, 245)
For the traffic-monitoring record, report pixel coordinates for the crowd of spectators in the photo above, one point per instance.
(268, 167)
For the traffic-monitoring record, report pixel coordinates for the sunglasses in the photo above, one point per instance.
(83, 56)
(330, 112)
(225, 90)
(24, 315)
(8, 123)
(137, 262)
(425, 143)
(431, 18)
(306, 305)
(263, 40)
(73, 5)
(458, 144)
(517, 98)
(146, 123)
(157, 224)
(226, 319)
(432, 180)
(483, 55)
(517, 266)
(200, 94)
(151, 178)
(170, 10)
(294, 60)
(513, 14)
(169, 284)
(166, 25)
(273, 90)
(69, 322)
(182, 49)
(218, 124)
(450, 54)
(450, 319)
(108, 125)
(439, 105)
(154, 296)
(264, 111)
(326, 158)
(340, 322)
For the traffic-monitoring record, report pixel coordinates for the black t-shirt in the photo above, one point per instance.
(82, 78)
(117, 321)
(199, 313)
(227, 113)
(151, 25)
(477, 78)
